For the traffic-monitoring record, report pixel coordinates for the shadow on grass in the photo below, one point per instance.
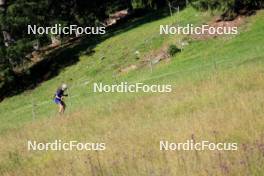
(54, 62)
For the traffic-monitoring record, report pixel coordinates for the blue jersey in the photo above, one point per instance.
(59, 93)
(58, 96)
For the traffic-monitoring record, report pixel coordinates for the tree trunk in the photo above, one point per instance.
(55, 41)
(2, 2)
(7, 38)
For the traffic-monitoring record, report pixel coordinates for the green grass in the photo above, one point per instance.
(217, 95)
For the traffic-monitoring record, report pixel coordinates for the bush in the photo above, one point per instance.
(16, 53)
(172, 50)
(231, 8)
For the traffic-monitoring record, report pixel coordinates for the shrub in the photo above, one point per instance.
(17, 52)
(231, 8)
(172, 50)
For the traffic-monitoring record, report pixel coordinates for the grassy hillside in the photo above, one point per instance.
(217, 96)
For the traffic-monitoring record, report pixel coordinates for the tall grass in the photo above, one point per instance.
(217, 96)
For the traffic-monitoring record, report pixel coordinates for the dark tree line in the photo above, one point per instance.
(15, 15)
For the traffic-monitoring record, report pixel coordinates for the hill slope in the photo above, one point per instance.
(217, 96)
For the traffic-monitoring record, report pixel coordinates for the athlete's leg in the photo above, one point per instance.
(63, 107)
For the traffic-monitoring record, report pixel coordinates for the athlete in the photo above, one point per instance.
(58, 98)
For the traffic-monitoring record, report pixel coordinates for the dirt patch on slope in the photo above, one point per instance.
(216, 23)
(152, 58)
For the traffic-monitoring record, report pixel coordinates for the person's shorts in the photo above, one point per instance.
(58, 101)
